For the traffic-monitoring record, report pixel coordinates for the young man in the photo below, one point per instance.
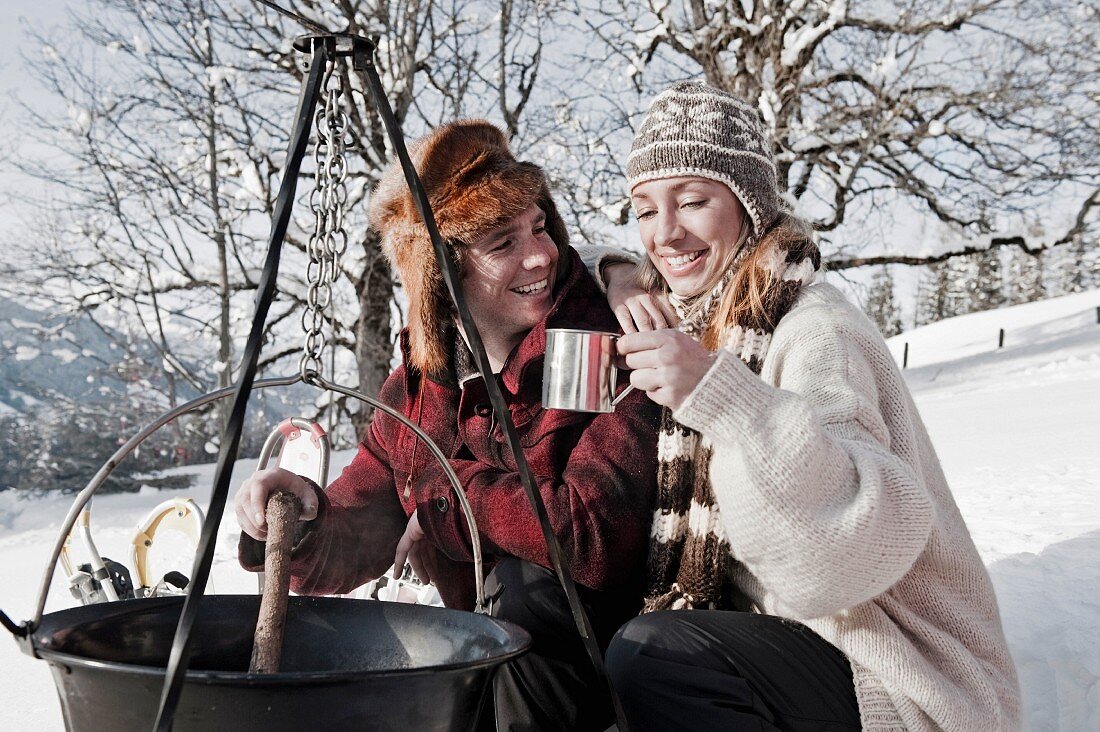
(596, 473)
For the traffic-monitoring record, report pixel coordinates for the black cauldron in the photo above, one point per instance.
(346, 664)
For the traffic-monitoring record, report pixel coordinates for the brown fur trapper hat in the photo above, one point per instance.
(474, 184)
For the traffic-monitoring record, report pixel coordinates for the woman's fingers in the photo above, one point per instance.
(641, 313)
(661, 299)
(647, 380)
(666, 364)
(626, 320)
(648, 359)
(644, 340)
(641, 350)
(653, 310)
(633, 315)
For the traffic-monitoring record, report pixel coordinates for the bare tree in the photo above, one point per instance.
(178, 118)
(975, 112)
(162, 164)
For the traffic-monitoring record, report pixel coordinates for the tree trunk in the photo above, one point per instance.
(374, 336)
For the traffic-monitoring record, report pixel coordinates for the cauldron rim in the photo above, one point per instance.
(518, 641)
(202, 676)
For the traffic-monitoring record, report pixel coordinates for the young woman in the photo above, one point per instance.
(803, 517)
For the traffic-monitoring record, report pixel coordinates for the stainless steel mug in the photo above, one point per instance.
(579, 371)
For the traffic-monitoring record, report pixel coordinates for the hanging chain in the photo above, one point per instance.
(327, 201)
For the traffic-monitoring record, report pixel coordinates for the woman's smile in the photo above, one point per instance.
(684, 263)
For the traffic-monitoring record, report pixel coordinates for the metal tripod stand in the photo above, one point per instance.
(324, 47)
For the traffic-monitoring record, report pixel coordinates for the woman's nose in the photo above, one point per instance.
(668, 230)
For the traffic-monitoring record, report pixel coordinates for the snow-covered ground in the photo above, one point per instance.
(1017, 428)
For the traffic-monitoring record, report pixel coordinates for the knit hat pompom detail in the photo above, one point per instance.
(693, 129)
(474, 184)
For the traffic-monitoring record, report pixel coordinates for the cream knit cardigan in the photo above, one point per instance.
(833, 500)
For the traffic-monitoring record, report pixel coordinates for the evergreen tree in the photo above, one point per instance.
(881, 306)
(932, 294)
(986, 293)
(1090, 260)
(1080, 266)
(1025, 277)
(961, 283)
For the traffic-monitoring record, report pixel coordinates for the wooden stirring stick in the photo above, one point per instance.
(283, 510)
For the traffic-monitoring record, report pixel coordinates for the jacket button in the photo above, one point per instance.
(442, 504)
(483, 410)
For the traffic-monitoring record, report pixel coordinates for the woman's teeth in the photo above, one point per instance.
(532, 288)
(681, 260)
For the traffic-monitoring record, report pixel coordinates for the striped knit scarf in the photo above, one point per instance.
(690, 561)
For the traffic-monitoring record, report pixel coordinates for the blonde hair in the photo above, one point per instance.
(747, 298)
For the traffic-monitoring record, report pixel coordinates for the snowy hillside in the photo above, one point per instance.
(1017, 428)
(1018, 431)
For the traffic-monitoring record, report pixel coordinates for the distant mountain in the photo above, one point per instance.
(46, 354)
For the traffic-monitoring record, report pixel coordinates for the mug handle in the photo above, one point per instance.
(622, 394)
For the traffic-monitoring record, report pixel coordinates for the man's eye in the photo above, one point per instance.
(502, 245)
(539, 230)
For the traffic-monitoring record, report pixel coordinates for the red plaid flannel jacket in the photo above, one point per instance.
(597, 474)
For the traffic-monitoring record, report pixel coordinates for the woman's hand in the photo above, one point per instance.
(419, 553)
(666, 364)
(635, 308)
(251, 499)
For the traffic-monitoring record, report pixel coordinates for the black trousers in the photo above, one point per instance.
(553, 687)
(715, 670)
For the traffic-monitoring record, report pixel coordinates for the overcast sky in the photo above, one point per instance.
(15, 18)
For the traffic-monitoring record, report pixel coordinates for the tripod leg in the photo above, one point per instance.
(181, 645)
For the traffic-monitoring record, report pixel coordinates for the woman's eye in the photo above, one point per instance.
(643, 215)
(693, 204)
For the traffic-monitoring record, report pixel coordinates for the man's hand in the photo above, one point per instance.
(635, 308)
(419, 553)
(251, 499)
(667, 364)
